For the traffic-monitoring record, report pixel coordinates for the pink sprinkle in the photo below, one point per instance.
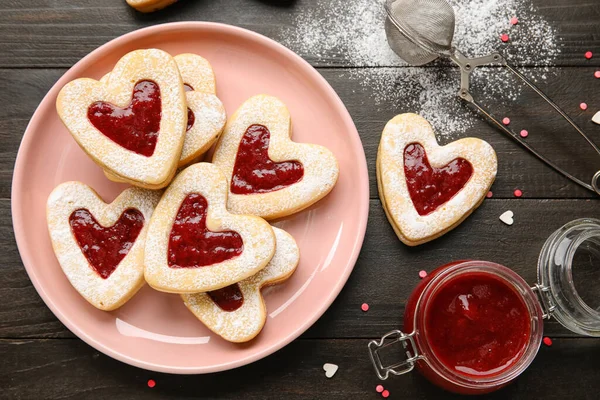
(589, 54)
(524, 133)
(583, 106)
(385, 394)
(504, 37)
(489, 194)
(379, 388)
(151, 383)
(597, 74)
(514, 21)
(364, 307)
(547, 341)
(518, 193)
(422, 274)
(506, 121)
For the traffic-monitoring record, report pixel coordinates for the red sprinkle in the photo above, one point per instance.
(504, 37)
(583, 106)
(506, 121)
(518, 193)
(514, 21)
(524, 133)
(422, 274)
(547, 341)
(489, 194)
(151, 383)
(597, 74)
(385, 394)
(379, 388)
(364, 307)
(589, 54)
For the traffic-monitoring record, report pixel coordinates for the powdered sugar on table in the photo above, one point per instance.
(351, 33)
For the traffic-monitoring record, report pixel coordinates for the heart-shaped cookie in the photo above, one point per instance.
(269, 175)
(100, 246)
(237, 312)
(133, 124)
(195, 245)
(427, 189)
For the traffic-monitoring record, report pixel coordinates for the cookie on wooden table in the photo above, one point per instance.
(99, 246)
(195, 245)
(132, 124)
(270, 175)
(427, 189)
(238, 312)
(147, 6)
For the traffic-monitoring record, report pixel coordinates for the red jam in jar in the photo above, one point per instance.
(477, 324)
(192, 244)
(255, 172)
(105, 247)
(135, 127)
(229, 298)
(430, 187)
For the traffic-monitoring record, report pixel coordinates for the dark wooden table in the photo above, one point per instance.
(40, 358)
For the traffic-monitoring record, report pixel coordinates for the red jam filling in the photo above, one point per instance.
(229, 298)
(104, 248)
(135, 127)
(192, 245)
(191, 116)
(477, 324)
(430, 187)
(255, 172)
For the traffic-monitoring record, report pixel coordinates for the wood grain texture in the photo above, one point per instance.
(22, 90)
(384, 276)
(57, 33)
(69, 369)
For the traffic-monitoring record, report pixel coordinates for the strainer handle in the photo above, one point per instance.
(467, 65)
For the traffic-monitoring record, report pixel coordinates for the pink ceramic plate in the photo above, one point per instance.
(154, 330)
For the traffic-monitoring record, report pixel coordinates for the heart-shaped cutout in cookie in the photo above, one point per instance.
(237, 312)
(270, 175)
(133, 122)
(181, 255)
(427, 189)
(100, 246)
(255, 172)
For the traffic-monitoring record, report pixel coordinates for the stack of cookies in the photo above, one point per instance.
(206, 235)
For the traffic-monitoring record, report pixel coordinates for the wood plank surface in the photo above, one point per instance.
(41, 359)
(69, 369)
(22, 90)
(57, 33)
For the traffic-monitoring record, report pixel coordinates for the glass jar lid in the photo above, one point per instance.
(569, 276)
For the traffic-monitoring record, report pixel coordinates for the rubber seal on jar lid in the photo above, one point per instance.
(574, 249)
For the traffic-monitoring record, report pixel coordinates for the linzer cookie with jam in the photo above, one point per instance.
(238, 312)
(206, 114)
(132, 124)
(99, 246)
(426, 189)
(270, 175)
(195, 245)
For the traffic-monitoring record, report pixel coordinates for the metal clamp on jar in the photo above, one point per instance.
(474, 326)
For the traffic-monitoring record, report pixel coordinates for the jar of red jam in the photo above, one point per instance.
(471, 327)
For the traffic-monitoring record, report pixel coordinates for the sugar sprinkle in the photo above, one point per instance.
(356, 37)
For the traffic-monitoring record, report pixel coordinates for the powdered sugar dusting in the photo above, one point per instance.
(352, 33)
(246, 322)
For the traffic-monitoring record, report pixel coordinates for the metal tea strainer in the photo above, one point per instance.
(420, 31)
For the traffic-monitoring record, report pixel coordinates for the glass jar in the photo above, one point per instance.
(576, 244)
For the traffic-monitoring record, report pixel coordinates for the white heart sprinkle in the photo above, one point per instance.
(507, 217)
(330, 369)
(596, 118)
